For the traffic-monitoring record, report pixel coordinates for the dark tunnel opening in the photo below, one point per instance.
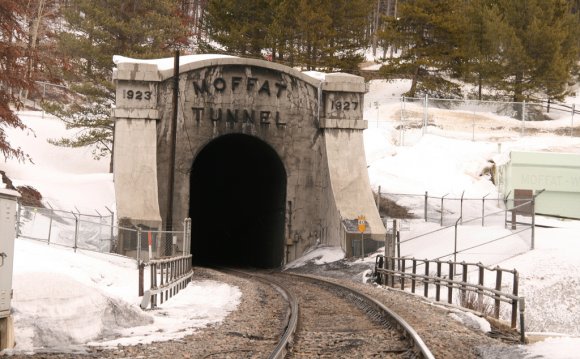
(237, 204)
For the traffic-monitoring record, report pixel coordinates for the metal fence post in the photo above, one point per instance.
(379, 200)
(112, 225)
(138, 244)
(572, 120)
(455, 247)
(523, 118)
(426, 201)
(76, 231)
(533, 222)
(425, 113)
(461, 207)
(50, 224)
(442, 207)
(483, 210)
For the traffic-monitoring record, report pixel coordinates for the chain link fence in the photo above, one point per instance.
(470, 119)
(454, 224)
(101, 233)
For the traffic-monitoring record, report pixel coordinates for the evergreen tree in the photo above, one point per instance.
(487, 36)
(97, 30)
(543, 52)
(430, 34)
(239, 26)
(12, 73)
(316, 34)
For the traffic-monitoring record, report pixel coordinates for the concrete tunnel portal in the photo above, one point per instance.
(237, 203)
(269, 161)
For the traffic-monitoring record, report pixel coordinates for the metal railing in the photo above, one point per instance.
(168, 277)
(395, 273)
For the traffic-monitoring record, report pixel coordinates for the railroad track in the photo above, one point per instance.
(325, 319)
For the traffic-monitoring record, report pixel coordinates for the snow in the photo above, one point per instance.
(167, 63)
(65, 300)
(471, 320)
(319, 255)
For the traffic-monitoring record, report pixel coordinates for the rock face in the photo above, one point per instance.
(268, 160)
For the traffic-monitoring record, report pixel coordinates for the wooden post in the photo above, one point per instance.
(141, 267)
(393, 275)
(385, 277)
(480, 282)
(515, 301)
(450, 285)
(398, 243)
(464, 280)
(438, 282)
(426, 281)
(413, 280)
(402, 269)
(497, 287)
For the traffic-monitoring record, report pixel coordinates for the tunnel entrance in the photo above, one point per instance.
(237, 204)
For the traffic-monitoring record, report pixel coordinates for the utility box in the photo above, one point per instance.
(8, 208)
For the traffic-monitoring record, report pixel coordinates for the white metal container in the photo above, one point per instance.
(8, 208)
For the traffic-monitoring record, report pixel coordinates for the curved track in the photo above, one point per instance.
(330, 320)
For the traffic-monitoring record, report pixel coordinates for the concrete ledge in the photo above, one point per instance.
(340, 82)
(344, 124)
(136, 72)
(137, 113)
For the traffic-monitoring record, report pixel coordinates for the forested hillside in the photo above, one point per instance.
(510, 49)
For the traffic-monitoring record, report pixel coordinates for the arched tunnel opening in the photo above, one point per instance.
(237, 204)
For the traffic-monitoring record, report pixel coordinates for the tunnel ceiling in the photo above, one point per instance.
(237, 203)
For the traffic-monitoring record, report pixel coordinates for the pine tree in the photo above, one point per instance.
(239, 26)
(487, 36)
(97, 30)
(12, 73)
(430, 34)
(315, 34)
(544, 48)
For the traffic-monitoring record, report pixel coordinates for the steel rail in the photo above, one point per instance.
(281, 348)
(399, 323)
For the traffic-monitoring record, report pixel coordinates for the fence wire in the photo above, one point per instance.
(101, 233)
(470, 119)
(454, 227)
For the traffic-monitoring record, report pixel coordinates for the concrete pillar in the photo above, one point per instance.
(350, 191)
(135, 149)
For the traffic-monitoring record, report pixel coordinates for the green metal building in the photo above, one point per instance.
(556, 173)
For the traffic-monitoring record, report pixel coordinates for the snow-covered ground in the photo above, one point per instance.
(64, 300)
(53, 285)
